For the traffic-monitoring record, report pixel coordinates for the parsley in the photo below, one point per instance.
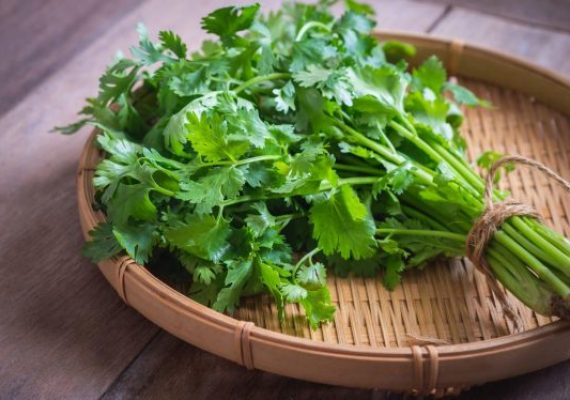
(343, 224)
(295, 131)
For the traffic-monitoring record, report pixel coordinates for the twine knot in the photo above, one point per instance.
(492, 217)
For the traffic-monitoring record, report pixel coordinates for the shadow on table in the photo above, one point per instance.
(62, 328)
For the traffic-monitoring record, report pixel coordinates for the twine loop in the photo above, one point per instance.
(426, 376)
(455, 52)
(493, 216)
(242, 342)
(125, 263)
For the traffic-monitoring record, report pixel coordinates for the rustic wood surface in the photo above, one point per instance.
(37, 37)
(64, 333)
(551, 14)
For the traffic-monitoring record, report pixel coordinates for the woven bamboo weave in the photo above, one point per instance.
(442, 321)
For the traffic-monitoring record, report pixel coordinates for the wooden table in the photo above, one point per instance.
(64, 333)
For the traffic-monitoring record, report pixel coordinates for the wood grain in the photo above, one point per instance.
(548, 384)
(63, 332)
(553, 14)
(155, 374)
(171, 369)
(37, 37)
(537, 45)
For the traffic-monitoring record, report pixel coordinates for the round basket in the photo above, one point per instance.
(441, 330)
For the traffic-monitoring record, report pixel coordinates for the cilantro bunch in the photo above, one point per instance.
(293, 141)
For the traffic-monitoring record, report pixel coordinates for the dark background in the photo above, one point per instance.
(64, 333)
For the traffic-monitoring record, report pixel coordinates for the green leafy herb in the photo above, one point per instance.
(292, 142)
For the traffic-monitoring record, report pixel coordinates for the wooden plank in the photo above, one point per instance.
(171, 369)
(418, 17)
(39, 36)
(537, 45)
(63, 333)
(553, 14)
(549, 383)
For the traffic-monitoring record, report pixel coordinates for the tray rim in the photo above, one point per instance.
(452, 53)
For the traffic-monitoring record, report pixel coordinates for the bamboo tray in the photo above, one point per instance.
(442, 330)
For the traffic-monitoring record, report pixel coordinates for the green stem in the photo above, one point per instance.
(281, 221)
(353, 181)
(284, 217)
(241, 162)
(358, 137)
(163, 191)
(385, 139)
(518, 269)
(247, 198)
(527, 244)
(519, 281)
(394, 158)
(261, 78)
(557, 285)
(428, 220)
(513, 239)
(415, 139)
(430, 150)
(306, 257)
(356, 168)
(561, 261)
(555, 238)
(423, 232)
(475, 182)
(458, 225)
(546, 250)
(310, 25)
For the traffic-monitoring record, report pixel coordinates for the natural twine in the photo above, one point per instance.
(492, 217)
